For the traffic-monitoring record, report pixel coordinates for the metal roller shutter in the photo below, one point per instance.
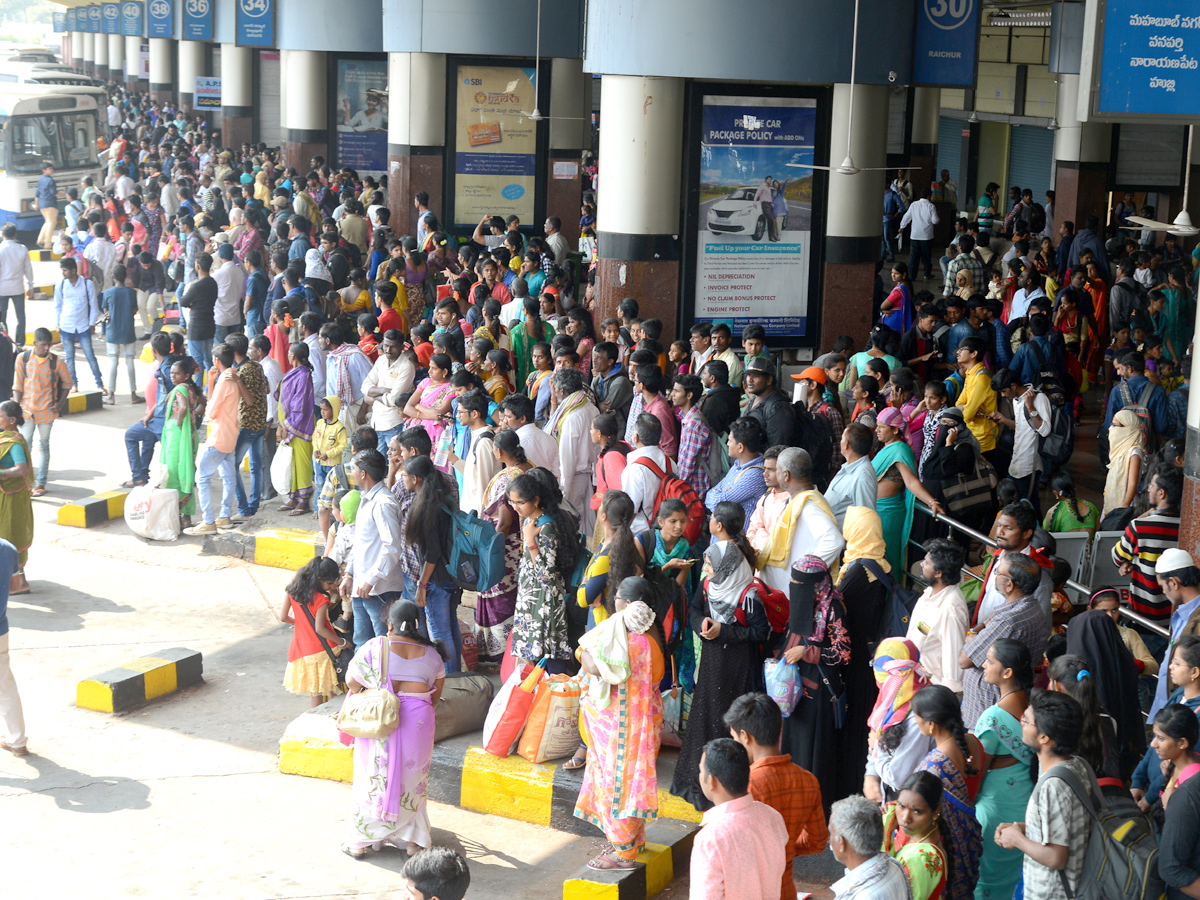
(268, 99)
(949, 148)
(1031, 159)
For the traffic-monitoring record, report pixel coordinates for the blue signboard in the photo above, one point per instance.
(160, 18)
(112, 18)
(256, 23)
(94, 24)
(197, 20)
(131, 18)
(1150, 61)
(71, 19)
(944, 47)
(60, 21)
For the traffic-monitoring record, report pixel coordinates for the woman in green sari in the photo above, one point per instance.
(1069, 513)
(912, 837)
(531, 330)
(1007, 784)
(179, 439)
(1179, 311)
(895, 468)
(16, 479)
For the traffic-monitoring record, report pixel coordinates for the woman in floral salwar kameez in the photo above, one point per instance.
(622, 716)
(391, 774)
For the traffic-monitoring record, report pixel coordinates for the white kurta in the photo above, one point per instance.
(577, 460)
(477, 469)
(815, 535)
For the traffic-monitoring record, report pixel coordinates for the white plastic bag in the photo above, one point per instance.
(153, 512)
(281, 469)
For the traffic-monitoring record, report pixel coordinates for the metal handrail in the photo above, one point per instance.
(1074, 585)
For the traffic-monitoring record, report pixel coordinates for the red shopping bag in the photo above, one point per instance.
(510, 710)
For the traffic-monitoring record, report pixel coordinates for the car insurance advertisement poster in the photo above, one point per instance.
(361, 115)
(755, 233)
(495, 145)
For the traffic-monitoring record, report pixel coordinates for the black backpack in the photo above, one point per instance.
(901, 603)
(1056, 447)
(815, 434)
(1037, 218)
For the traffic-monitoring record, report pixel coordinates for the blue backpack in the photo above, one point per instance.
(476, 560)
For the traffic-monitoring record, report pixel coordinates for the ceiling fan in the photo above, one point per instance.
(848, 167)
(535, 114)
(1182, 226)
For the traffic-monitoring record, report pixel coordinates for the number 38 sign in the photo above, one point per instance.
(944, 47)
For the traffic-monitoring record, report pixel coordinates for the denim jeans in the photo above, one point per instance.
(385, 438)
(201, 352)
(918, 252)
(43, 466)
(368, 616)
(439, 619)
(139, 444)
(223, 331)
(210, 463)
(85, 341)
(320, 470)
(18, 301)
(250, 441)
(115, 352)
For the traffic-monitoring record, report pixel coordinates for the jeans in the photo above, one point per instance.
(250, 441)
(320, 470)
(201, 352)
(254, 324)
(385, 438)
(887, 248)
(944, 262)
(918, 251)
(223, 331)
(85, 341)
(43, 466)
(439, 619)
(18, 301)
(211, 462)
(115, 352)
(139, 444)
(368, 616)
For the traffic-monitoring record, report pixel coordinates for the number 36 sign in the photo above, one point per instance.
(944, 48)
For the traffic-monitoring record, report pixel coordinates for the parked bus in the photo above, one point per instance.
(38, 123)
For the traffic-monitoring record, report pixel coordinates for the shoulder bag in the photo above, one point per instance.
(340, 660)
(372, 712)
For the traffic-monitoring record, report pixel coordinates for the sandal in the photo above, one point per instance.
(299, 511)
(132, 484)
(606, 863)
(354, 854)
(287, 507)
(576, 762)
(37, 491)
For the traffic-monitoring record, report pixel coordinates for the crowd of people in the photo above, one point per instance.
(676, 515)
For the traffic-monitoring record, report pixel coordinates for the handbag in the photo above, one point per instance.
(373, 712)
(836, 697)
(341, 659)
(966, 494)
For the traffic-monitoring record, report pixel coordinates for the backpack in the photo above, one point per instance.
(1037, 218)
(776, 604)
(476, 558)
(901, 602)
(815, 434)
(1121, 860)
(717, 461)
(59, 391)
(671, 485)
(1141, 409)
(1048, 381)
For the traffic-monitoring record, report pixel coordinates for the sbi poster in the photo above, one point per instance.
(755, 233)
(361, 115)
(495, 144)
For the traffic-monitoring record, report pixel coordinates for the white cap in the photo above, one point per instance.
(1173, 560)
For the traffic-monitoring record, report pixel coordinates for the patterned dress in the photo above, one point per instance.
(540, 623)
(1003, 796)
(960, 828)
(924, 863)
(495, 606)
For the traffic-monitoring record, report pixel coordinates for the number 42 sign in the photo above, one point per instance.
(945, 43)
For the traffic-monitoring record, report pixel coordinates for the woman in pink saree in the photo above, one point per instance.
(391, 774)
(622, 714)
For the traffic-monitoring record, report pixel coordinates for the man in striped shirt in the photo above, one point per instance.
(1146, 538)
(695, 437)
(965, 260)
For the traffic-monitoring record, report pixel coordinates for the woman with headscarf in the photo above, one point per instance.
(899, 487)
(1126, 455)
(865, 599)
(622, 715)
(1094, 636)
(817, 641)
(956, 452)
(262, 193)
(316, 274)
(897, 745)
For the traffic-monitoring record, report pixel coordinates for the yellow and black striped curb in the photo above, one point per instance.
(140, 680)
(667, 854)
(93, 510)
(283, 548)
(84, 401)
(45, 255)
(55, 336)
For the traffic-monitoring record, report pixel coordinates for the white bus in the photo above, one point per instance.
(39, 124)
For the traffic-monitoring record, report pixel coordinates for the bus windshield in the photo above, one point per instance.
(67, 139)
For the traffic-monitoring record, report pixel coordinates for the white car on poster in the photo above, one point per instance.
(739, 213)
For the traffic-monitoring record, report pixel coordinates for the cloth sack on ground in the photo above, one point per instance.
(552, 729)
(463, 706)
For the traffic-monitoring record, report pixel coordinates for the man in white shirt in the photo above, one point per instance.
(101, 254)
(939, 620)
(516, 412)
(1030, 423)
(922, 215)
(123, 185)
(373, 574)
(480, 466)
(555, 241)
(640, 481)
(16, 279)
(310, 331)
(571, 425)
(231, 288)
(168, 199)
(390, 378)
(1014, 534)
(1028, 287)
(114, 119)
(421, 202)
(76, 310)
(513, 311)
(855, 836)
(806, 527)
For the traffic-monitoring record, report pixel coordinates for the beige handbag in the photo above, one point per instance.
(372, 712)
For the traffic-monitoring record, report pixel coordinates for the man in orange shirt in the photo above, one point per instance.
(216, 453)
(755, 722)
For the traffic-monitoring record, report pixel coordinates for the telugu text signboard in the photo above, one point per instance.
(754, 240)
(255, 23)
(1150, 59)
(208, 93)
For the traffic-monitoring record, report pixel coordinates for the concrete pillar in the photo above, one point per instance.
(854, 221)
(237, 95)
(162, 81)
(116, 57)
(570, 135)
(1081, 151)
(305, 129)
(416, 136)
(927, 104)
(133, 64)
(101, 56)
(77, 50)
(191, 66)
(89, 54)
(639, 197)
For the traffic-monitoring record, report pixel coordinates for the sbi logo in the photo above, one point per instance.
(255, 8)
(197, 7)
(948, 14)
(160, 9)
(472, 81)
(110, 11)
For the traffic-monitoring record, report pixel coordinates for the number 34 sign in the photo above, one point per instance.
(945, 44)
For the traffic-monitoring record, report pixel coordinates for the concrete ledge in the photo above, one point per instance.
(45, 255)
(141, 680)
(667, 854)
(93, 510)
(56, 337)
(84, 401)
(283, 548)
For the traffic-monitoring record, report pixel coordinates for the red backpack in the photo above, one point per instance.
(671, 485)
(776, 604)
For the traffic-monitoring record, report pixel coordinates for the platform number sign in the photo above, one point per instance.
(197, 20)
(161, 19)
(947, 35)
(256, 23)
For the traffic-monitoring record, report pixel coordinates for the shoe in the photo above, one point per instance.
(15, 751)
(241, 518)
(201, 530)
(110, 399)
(145, 337)
(225, 523)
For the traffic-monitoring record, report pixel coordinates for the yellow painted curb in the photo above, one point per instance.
(332, 761)
(93, 510)
(140, 680)
(660, 867)
(284, 548)
(511, 787)
(53, 332)
(672, 807)
(580, 889)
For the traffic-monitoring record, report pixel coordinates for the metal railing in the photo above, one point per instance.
(1083, 589)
